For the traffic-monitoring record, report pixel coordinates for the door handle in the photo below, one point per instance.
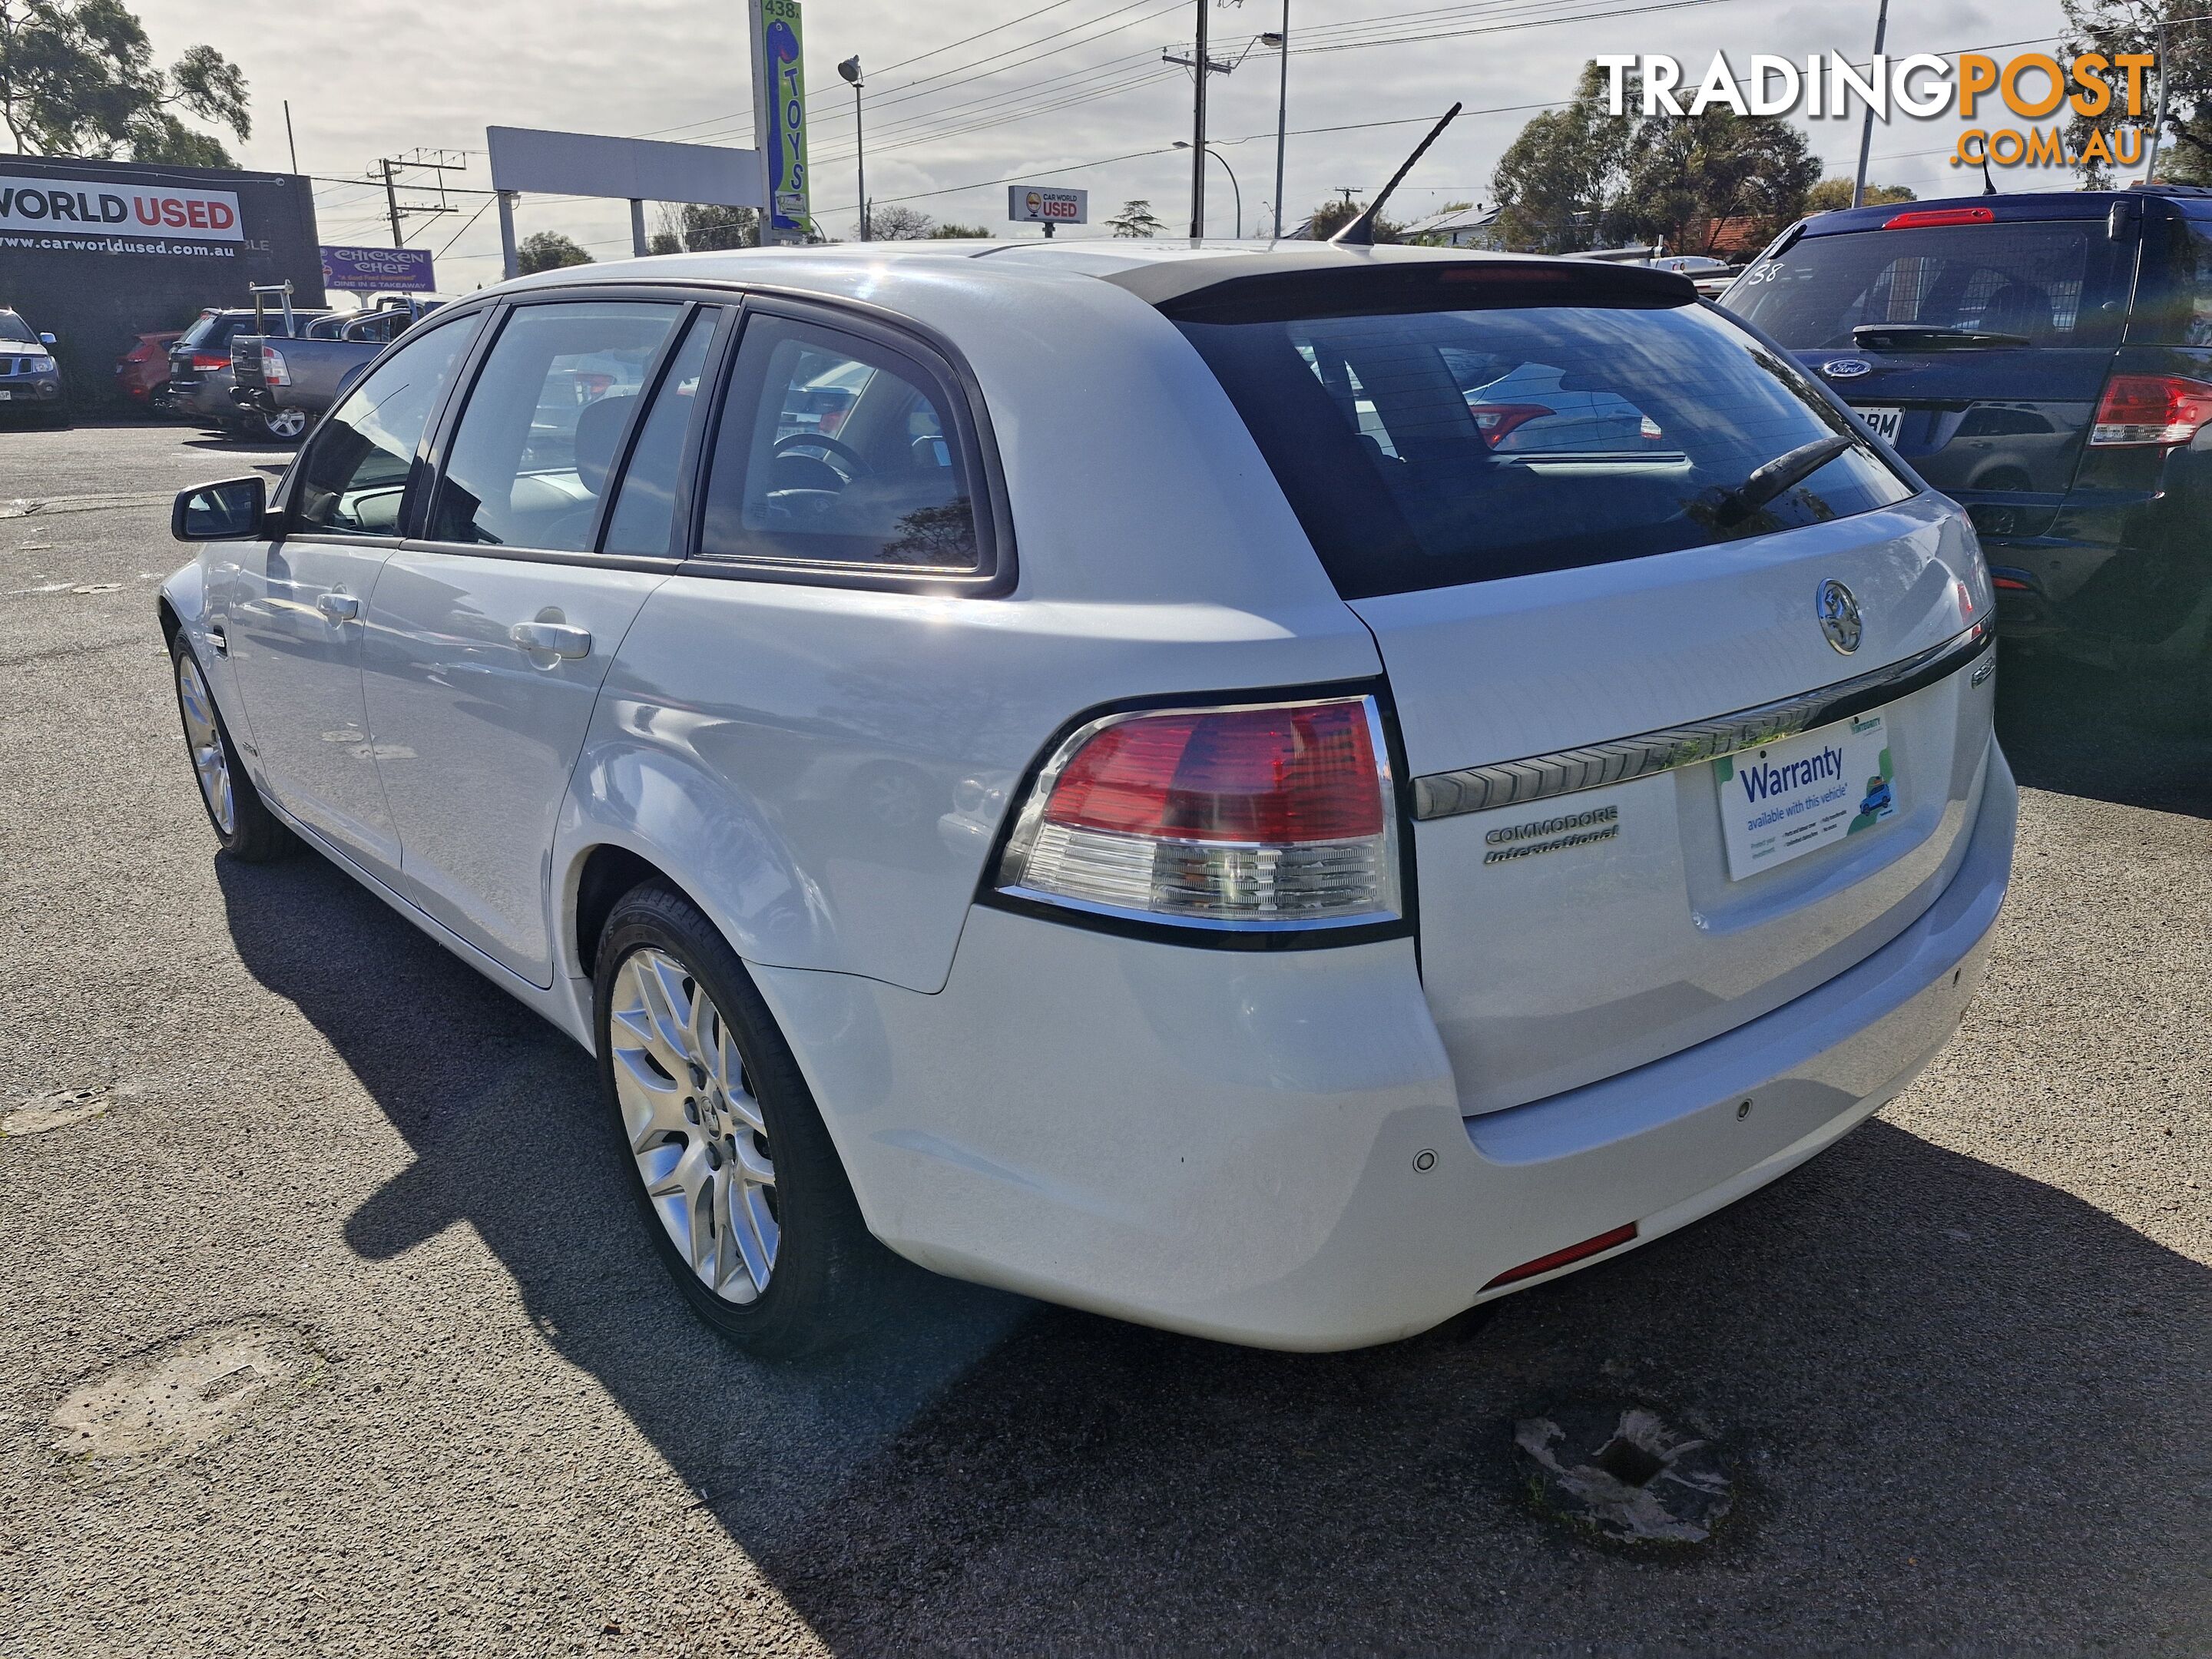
(561, 639)
(338, 607)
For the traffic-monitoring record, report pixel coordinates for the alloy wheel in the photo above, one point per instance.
(204, 738)
(287, 423)
(693, 1124)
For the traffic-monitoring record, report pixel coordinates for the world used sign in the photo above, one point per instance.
(378, 270)
(102, 207)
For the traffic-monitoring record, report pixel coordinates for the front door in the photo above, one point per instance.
(489, 639)
(294, 607)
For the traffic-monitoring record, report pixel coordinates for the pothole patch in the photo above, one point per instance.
(184, 1395)
(1622, 1475)
(55, 1108)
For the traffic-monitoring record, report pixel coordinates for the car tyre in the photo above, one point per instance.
(242, 821)
(742, 1191)
(284, 426)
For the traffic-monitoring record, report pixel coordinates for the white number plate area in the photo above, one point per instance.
(1882, 422)
(1781, 802)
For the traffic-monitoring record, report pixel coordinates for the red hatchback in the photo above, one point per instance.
(142, 373)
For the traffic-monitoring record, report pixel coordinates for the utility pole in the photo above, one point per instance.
(1197, 125)
(1866, 128)
(392, 201)
(294, 149)
(1200, 66)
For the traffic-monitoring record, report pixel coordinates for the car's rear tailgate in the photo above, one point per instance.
(1550, 969)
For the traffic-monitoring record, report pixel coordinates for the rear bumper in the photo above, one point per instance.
(1269, 1148)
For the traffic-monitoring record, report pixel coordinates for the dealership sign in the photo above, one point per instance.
(104, 208)
(780, 119)
(1032, 204)
(378, 270)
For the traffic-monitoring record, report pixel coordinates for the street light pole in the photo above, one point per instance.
(1282, 44)
(1866, 128)
(1236, 193)
(850, 69)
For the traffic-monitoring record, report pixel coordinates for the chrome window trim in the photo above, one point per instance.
(1596, 766)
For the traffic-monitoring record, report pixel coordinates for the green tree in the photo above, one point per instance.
(2114, 26)
(1581, 177)
(950, 232)
(77, 77)
(708, 228)
(1692, 178)
(1331, 216)
(548, 250)
(1831, 194)
(1565, 174)
(1136, 218)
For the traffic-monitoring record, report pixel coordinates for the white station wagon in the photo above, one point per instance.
(1138, 774)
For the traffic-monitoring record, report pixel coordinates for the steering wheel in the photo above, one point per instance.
(835, 446)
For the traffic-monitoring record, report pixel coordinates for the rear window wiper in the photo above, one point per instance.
(1792, 466)
(1879, 336)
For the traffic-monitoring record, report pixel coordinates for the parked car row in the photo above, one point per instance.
(1286, 845)
(281, 385)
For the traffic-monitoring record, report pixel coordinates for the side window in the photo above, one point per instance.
(2173, 302)
(645, 508)
(545, 423)
(354, 477)
(834, 449)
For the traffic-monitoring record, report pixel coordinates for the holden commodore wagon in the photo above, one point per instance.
(1151, 805)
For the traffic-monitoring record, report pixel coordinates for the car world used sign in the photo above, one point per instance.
(102, 214)
(379, 269)
(1032, 204)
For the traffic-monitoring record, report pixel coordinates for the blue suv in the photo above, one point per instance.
(2044, 359)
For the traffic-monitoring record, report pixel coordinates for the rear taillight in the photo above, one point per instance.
(1498, 421)
(208, 361)
(2151, 409)
(1914, 220)
(1275, 816)
(272, 367)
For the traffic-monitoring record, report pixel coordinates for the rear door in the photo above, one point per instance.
(1643, 813)
(491, 634)
(1977, 344)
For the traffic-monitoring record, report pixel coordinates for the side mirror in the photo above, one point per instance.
(46, 339)
(230, 511)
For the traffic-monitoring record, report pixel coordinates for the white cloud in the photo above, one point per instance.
(383, 77)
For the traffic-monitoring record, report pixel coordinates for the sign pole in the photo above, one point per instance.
(512, 267)
(637, 243)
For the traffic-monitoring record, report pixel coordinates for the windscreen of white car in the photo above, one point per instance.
(2060, 283)
(549, 409)
(1430, 447)
(834, 449)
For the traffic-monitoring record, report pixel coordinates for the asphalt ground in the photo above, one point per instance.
(328, 1326)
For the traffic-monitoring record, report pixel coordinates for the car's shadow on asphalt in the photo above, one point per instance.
(2082, 730)
(1965, 1409)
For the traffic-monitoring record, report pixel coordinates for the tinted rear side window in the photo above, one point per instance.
(1426, 449)
(2054, 284)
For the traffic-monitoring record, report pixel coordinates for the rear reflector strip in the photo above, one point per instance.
(1971, 215)
(1544, 1264)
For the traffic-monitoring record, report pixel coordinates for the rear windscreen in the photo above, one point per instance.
(1426, 449)
(2054, 284)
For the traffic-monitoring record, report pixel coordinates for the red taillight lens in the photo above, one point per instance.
(2151, 409)
(1270, 817)
(1971, 215)
(1499, 420)
(1544, 1264)
(208, 361)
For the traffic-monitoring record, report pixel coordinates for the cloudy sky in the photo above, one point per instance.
(1072, 93)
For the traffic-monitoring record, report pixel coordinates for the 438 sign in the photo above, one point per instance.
(782, 95)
